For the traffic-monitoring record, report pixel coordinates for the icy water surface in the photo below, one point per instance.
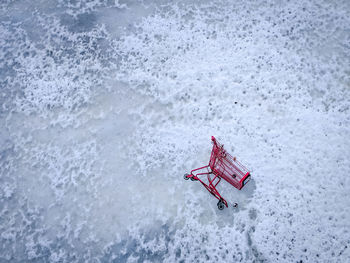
(106, 104)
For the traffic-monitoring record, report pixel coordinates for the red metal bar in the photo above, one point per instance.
(210, 186)
(221, 165)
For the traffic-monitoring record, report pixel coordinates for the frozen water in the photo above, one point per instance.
(106, 104)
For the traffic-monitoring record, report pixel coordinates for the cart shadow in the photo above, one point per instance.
(248, 190)
(242, 197)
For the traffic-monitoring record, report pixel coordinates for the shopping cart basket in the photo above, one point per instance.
(221, 165)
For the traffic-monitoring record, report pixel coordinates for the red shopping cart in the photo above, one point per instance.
(221, 165)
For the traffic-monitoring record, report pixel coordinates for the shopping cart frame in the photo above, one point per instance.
(221, 166)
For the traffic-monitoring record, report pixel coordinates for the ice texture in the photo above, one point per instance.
(104, 105)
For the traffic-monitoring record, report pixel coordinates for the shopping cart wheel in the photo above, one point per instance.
(185, 177)
(221, 205)
(235, 205)
(193, 179)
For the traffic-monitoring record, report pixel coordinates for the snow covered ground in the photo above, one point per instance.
(106, 104)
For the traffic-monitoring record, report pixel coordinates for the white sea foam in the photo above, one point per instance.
(104, 107)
